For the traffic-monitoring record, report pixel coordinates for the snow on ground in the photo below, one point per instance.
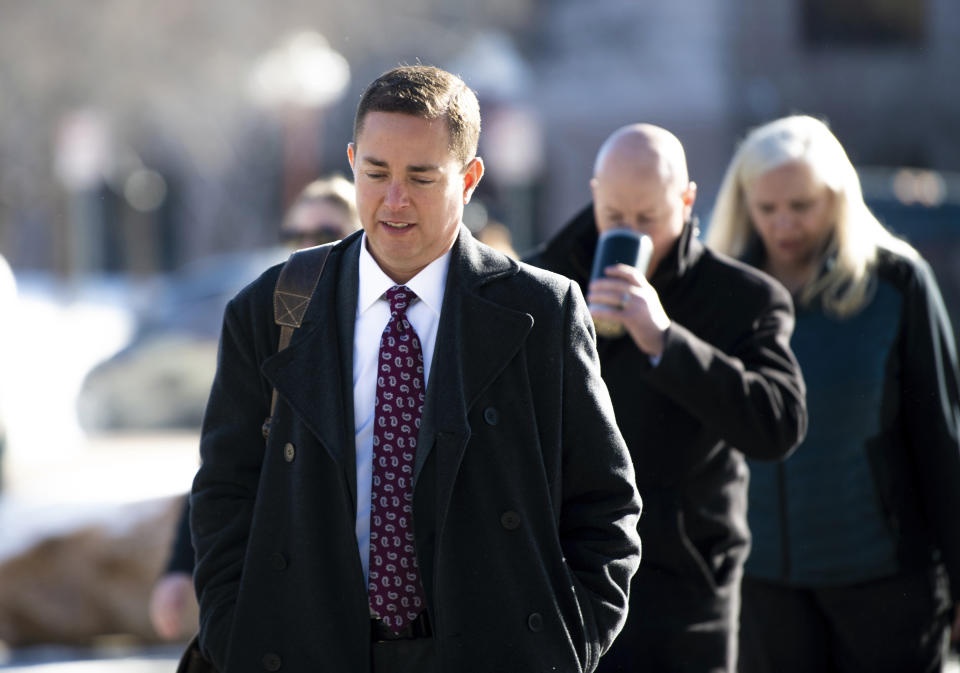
(55, 476)
(57, 334)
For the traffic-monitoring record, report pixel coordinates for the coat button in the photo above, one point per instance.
(535, 622)
(271, 661)
(510, 520)
(289, 452)
(278, 561)
(491, 416)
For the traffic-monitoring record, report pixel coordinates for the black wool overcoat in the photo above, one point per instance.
(525, 505)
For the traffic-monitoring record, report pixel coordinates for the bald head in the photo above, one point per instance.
(640, 181)
(646, 151)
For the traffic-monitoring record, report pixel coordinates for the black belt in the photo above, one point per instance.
(418, 628)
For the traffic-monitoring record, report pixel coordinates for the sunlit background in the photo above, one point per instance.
(148, 151)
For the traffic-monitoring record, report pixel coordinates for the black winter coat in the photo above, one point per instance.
(525, 506)
(726, 385)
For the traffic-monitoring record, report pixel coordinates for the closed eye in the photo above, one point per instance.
(613, 217)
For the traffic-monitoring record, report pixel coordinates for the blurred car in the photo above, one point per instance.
(162, 378)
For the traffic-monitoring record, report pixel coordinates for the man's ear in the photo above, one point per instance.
(471, 178)
(351, 157)
(689, 196)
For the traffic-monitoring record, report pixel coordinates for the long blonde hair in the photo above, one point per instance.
(857, 234)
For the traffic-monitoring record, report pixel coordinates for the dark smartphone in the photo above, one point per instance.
(619, 246)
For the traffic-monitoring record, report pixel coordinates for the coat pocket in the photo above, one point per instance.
(717, 570)
(193, 661)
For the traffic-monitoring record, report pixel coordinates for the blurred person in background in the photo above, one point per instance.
(497, 235)
(853, 532)
(324, 211)
(498, 534)
(173, 604)
(703, 376)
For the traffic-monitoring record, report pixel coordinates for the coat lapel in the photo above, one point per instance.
(476, 339)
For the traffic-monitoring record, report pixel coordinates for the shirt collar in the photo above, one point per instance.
(428, 285)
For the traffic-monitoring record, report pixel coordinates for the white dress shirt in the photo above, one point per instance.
(373, 313)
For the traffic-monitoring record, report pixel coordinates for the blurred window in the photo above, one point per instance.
(864, 23)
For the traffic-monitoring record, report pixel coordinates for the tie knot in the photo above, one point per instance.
(400, 297)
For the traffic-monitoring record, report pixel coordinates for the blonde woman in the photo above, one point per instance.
(855, 534)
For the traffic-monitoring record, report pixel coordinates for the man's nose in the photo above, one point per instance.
(396, 195)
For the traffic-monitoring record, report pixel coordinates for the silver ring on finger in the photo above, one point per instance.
(624, 298)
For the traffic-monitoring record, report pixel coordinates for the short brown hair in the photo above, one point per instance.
(430, 93)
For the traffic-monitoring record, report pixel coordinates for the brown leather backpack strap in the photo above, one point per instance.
(291, 298)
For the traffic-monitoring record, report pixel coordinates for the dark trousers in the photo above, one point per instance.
(896, 624)
(676, 625)
(404, 656)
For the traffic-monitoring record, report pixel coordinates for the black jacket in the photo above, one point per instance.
(914, 453)
(727, 385)
(917, 453)
(525, 506)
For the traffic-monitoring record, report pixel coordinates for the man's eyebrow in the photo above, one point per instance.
(414, 168)
(423, 168)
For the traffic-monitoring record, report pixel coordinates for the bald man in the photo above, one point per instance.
(702, 377)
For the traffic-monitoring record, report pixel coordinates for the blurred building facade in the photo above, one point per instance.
(132, 138)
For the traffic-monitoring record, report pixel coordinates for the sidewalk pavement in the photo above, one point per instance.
(157, 659)
(106, 659)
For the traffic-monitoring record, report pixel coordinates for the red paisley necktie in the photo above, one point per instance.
(396, 593)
